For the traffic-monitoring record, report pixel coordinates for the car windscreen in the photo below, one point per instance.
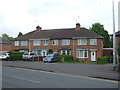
(32, 54)
(25, 54)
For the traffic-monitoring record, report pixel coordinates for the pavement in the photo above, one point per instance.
(87, 70)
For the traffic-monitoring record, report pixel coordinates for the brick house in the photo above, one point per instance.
(5, 45)
(117, 39)
(83, 44)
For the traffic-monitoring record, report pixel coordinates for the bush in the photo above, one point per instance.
(103, 60)
(15, 55)
(68, 58)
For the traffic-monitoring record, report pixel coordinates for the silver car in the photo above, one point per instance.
(28, 56)
(50, 58)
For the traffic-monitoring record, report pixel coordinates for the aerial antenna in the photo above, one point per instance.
(77, 19)
(36, 22)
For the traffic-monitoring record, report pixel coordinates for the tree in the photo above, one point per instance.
(99, 29)
(20, 34)
(7, 37)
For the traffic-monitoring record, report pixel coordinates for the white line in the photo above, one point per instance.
(22, 78)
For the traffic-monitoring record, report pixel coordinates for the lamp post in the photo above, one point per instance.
(114, 38)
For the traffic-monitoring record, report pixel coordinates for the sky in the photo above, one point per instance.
(24, 15)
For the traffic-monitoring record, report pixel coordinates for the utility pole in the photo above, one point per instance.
(114, 38)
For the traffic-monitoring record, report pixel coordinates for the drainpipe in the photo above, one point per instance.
(73, 48)
(29, 45)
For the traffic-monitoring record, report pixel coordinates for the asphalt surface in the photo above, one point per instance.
(27, 78)
(88, 70)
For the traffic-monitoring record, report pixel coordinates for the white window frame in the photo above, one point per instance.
(54, 42)
(16, 43)
(80, 42)
(66, 42)
(83, 56)
(66, 52)
(93, 41)
(36, 43)
(44, 42)
(24, 43)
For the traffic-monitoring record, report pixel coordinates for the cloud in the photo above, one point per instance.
(25, 15)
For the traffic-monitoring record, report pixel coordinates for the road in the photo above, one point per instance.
(27, 78)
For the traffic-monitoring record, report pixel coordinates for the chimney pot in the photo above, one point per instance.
(38, 28)
(77, 26)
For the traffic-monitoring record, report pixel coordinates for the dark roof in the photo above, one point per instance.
(118, 33)
(60, 34)
(4, 41)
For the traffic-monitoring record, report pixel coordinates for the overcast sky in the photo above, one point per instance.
(24, 15)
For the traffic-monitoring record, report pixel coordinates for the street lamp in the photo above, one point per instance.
(114, 38)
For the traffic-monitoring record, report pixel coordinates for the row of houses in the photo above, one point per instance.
(83, 44)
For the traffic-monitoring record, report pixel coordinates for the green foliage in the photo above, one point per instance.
(16, 56)
(99, 29)
(20, 34)
(7, 37)
(103, 60)
(66, 57)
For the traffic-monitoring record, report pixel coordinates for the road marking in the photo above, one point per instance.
(22, 78)
(65, 74)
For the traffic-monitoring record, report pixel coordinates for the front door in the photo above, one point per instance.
(44, 52)
(93, 55)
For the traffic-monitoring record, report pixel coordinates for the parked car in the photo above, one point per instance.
(51, 58)
(28, 56)
(4, 56)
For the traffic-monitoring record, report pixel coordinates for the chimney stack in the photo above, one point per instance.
(77, 26)
(38, 28)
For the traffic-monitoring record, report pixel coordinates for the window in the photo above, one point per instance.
(37, 52)
(54, 42)
(67, 52)
(66, 42)
(36, 43)
(82, 53)
(93, 41)
(16, 43)
(45, 42)
(82, 41)
(24, 43)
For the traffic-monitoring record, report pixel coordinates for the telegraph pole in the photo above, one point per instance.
(114, 38)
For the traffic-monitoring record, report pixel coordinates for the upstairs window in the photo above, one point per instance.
(66, 42)
(45, 42)
(36, 43)
(82, 41)
(54, 42)
(93, 41)
(16, 43)
(24, 43)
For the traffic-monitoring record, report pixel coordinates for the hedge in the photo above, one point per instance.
(15, 56)
(66, 57)
(103, 60)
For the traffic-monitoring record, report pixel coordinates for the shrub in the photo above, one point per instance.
(15, 55)
(68, 58)
(103, 60)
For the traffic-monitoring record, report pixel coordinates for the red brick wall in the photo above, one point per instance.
(6, 47)
(98, 47)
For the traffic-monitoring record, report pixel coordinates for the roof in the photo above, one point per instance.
(118, 33)
(67, 33)
(4, 41)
